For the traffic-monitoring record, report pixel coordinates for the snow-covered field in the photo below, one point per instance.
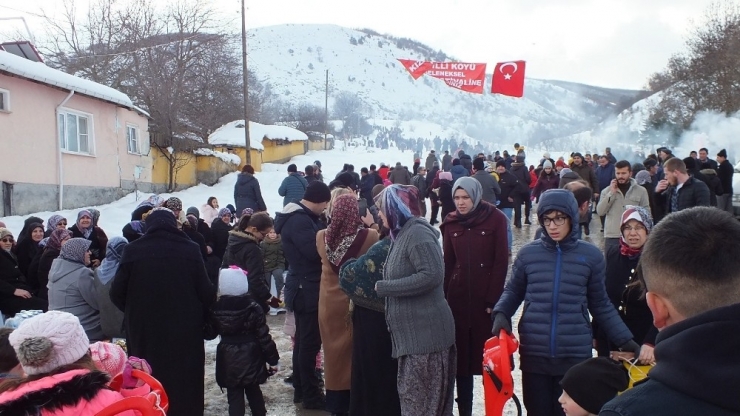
(278, 395)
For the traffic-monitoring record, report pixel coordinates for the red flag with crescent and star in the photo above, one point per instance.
(508, 78)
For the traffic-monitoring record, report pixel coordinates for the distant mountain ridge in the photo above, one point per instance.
(293, 59)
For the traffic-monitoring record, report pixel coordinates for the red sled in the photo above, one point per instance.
(498, 384)
(155, 403)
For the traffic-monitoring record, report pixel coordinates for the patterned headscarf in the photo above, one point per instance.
(75, 249)
(85, 231)
(345, 224)
(174, 204)
(109, 265)
(247, 211)
(56, 238)
(51, 223)
(640, 214)
(95, 216)
(398, 203)
(224, 212)
(152, 201)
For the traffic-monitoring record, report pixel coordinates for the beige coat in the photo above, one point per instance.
(335, 323)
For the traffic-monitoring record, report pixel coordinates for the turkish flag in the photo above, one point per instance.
(508, 78)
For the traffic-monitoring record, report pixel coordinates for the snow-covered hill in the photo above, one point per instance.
(293, 60)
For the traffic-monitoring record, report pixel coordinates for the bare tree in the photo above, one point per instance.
(174, 60)
(707, 76)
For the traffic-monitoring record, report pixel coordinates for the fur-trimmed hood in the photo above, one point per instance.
(75, 391)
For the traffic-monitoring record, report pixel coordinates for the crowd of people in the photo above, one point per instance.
(386, 320)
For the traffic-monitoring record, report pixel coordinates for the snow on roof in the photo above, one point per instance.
(232, 134)
(226, 157)
(38, 71)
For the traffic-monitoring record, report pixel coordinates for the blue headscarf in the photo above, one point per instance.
(398, 203)
(109, 266)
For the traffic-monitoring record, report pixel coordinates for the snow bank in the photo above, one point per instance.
(38, 71)
(226, 157)
(232, 134)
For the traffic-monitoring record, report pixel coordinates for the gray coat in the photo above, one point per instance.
(490, 186)
(111, 318)
(72, 289)
(417, 314)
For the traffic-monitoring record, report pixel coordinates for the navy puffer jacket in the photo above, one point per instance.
(560, 283)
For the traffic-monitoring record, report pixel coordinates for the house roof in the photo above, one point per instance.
(232, 134)
(38, 71)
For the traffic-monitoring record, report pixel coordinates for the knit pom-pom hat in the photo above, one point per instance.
(48, 341)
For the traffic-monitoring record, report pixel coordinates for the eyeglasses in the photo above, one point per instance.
(7, 240)
(61, 224)
(636, 228)
(557, 220)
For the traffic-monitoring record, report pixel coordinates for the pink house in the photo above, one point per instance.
(66, 142)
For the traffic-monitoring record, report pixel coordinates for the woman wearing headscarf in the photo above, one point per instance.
(53, 247)
(243, 250)
(25, 232)
(374, 370)
(111, 318)
(54, 222)
(476, 261)
(445, 194)
(163, 289)
(15, 294)
(420, 321)
(28, 245)
(622, 284)
(85, 228)
(72, 287)
(220, 228)
(345, 238)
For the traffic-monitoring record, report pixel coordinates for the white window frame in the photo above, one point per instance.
(62, 132)
(6, 100)
(135, 129)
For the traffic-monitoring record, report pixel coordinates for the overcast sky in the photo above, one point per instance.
(600, 42)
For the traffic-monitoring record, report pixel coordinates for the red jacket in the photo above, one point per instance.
(383, 172)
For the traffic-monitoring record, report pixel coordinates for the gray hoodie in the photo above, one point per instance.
(72, 289)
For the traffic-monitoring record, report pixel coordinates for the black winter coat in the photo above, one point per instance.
(32, 276)
(205, 230)
(725, 172)
(509, 185)
(98, 239)
(445, 197)
(681, 384)
(246, 344)
(520, 171)
(197, 239)
(220, 231)
(25, 251)
(693, 193)
(247, 194)
(11, 277)
(714, 185)
(621, 273)
(297, 227)
(42, 276)
(244, 251)
(163, 289)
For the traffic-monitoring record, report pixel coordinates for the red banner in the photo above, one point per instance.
(508, 78)
(464, 76)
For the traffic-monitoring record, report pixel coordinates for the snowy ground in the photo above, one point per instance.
(278, 395)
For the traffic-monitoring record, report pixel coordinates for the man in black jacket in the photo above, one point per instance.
(679, 190)
(692, 292)
(297, 225)
(725, 171)
(508, 184)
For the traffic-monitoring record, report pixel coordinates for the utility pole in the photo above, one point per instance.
(247, 149)
(326, 109)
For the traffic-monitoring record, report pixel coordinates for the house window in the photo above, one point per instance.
(4, 100)
(75, 132)
(132, 138)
